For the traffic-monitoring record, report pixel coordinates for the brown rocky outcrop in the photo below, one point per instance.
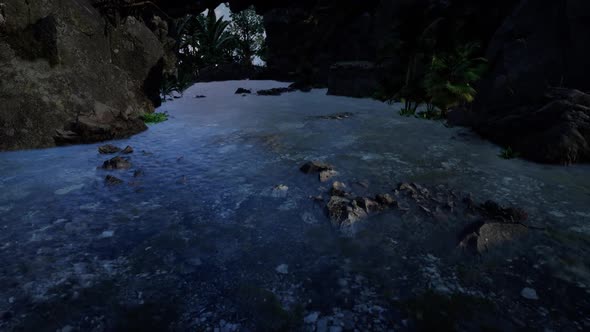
(70, 77)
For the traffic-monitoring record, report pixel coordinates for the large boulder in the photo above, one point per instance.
(543, 44)
(70, 77)
(557, 131)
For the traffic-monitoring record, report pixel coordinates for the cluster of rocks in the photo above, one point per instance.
(498, 225)
(336, 116)
(243, 91)
(274, 91)
(488, 224)
(116, 163)
(344, 208)
(554, 130)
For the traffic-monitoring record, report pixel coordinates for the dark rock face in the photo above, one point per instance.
(116, 163)
(274, 91)
(315, 167)
(354, 79)
(112, 180)
(108, 149)
(542, 45)
(67, 78)
(557, 131)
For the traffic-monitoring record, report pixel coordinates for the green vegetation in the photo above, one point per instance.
(248, 34)
(449, 77)
(440, 66)
(508, 153)
(151, 118)
(408, 110)
(205, 41)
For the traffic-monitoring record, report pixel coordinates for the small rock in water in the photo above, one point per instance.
(117, 163)
(325, 176)
(282, 269)
(106, 234)
(200, 96)
(338, 189)
(108, 149)
(308, 218)
(127, 150)
(368, 204)
(274, 91)
(240, 91)
(69, 189)
(529, 294)
(337, 116)
(315, 167)
(385, 199)
(311, 318)
(280, 191)
(112, 180)
(137, 173)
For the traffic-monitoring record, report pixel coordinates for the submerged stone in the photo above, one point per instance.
(112, 180)
(127, 150)
(282, 269)
(529, 294)
(315, 167)
(108, 149)
(116, 163)
(240, 91)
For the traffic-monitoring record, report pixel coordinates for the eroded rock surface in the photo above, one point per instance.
(117, 163)
(69, 78)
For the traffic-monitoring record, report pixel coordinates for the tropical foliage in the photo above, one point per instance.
(203, 40)
(448, 81)
(151, 118)
(248, 31)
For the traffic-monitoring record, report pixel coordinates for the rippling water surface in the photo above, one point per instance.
(201, 241)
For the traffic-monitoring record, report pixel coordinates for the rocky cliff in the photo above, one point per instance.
(530, 100)
(73, 74)
(70, 76)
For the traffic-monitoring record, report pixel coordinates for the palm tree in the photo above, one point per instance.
(203, 41)
(449, 78)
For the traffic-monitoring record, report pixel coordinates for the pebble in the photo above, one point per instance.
(282, 269)
(280, 191)
(107, 234)
(529, 294)
(322, 325)
(67, 328)
(69, 189)
(312, 318)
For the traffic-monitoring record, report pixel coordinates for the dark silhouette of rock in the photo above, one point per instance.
(315, 167)
(326, 175)
(541, 45)
(555, 131)
(108, 149)
(127, 150)
(116, 163)
(112, 180)
(75, 83)
(354, 79)
(241, 91)
(274, 91)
